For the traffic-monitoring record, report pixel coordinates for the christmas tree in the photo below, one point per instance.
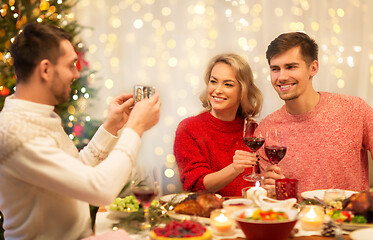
(14, 14)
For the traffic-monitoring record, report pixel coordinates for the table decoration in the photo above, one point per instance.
(286, 188)
(221, 222)
(254, 192)
(258, 195)
(312, 217)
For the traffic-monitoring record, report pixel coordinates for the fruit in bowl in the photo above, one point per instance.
(122, 207)
(266, 223)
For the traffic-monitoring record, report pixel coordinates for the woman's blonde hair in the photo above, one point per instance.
(251, 97)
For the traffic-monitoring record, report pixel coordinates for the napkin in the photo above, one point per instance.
(119, 234)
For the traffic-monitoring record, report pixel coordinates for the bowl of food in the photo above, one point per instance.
(266, 223)
(123, 207)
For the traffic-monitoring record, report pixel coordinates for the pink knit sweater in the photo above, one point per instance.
(205, 144)
(326, 147)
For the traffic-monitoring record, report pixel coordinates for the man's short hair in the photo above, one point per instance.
(286, 41)
(37, 41)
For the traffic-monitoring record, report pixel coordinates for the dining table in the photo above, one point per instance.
(104, 224)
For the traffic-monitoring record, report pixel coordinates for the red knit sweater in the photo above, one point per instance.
(205, 144)
(326, 147)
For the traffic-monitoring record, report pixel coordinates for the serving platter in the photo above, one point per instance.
(118, 214)
(320, 194)
(177, 216)
(175, 198)
(355, 226)
(178, 197)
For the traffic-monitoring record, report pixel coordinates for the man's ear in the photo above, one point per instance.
(45, 69)
(314, 68)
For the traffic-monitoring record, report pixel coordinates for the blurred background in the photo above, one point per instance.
(167, 44)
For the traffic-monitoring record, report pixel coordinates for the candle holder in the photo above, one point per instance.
(253, 192)
(221, 222)
(312, 217)
(334, 198)
(286, 188)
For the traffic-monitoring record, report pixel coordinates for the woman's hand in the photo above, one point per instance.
(271, 174)
(243, 159)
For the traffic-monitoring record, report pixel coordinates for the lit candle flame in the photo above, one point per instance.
(221, 218)
(257, 184)
(311, 214)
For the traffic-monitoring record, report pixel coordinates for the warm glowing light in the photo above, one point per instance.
(340, 12)
(181, 111)
(109, 83)
(158, 151)
(166, 11)
(138, 23)
(169, 173)
(340, 83)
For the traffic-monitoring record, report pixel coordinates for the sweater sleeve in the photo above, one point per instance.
(42, 164)
(98, 148)
(192, 163)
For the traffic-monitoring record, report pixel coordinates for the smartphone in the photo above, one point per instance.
(140, 92)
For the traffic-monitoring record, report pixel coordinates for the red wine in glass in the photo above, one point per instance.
(275, 153)
(145, 195)
(254, 143)
(145, 188)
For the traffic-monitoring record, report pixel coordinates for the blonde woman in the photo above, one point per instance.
(209, 147)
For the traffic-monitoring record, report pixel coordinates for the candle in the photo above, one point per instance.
(312, 218)
(221, 222)
(254, 192)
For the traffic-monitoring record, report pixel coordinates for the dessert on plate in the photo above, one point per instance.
(184, 230)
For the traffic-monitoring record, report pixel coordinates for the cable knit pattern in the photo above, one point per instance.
(96, 152)
(205, 144)
(326, 147)
(17, 128)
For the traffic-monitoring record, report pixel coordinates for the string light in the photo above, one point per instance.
(246, 19)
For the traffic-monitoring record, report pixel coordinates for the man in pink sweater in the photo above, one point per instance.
(327, 135)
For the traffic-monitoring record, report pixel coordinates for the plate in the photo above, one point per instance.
(355, 226)
(181, 217)
(176, 197)
(118, 214)
(320, 194)
(362, 234)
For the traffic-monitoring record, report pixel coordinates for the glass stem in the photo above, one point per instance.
(147, 219)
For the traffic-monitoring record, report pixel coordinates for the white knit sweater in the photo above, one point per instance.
(45, 183)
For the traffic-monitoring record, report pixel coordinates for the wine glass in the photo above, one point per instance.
(274, 146)
(253, 141)
(145, 188)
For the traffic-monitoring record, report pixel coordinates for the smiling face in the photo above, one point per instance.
(65, 72)
(291, 76)
(224, 92)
